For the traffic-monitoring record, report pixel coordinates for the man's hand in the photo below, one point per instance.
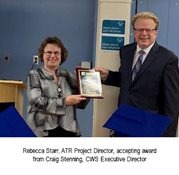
(103, 72)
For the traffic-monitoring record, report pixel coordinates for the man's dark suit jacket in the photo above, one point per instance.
(156, 85)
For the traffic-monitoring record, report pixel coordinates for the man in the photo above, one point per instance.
(151, 84)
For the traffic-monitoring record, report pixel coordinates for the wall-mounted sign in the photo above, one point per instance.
(113, 34)
(111, 42)
(113, 26)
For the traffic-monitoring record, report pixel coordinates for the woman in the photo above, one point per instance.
(51, 92)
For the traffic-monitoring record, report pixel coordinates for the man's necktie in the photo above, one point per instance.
(138, 64)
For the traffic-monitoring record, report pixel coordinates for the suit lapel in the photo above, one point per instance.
(129, 60)
(148, 60)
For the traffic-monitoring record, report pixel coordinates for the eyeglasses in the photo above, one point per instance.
(49, 53)
(146, 30)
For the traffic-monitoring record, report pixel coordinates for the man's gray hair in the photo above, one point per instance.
(146, 15)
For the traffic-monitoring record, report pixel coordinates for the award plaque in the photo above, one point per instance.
(89, 82)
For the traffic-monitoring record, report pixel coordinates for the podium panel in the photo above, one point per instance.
(12, 92)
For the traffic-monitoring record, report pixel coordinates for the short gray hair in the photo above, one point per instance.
(146, 15)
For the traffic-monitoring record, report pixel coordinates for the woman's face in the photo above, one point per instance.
(51, 56)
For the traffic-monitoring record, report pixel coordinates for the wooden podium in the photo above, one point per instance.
(12, 91)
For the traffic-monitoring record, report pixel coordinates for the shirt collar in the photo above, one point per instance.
(146, 50)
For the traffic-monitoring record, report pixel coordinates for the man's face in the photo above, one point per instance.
(145, 32)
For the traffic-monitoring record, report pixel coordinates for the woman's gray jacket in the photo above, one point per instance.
(46, 101)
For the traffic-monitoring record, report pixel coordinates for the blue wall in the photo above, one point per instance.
(168, 14)
(24, 24)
